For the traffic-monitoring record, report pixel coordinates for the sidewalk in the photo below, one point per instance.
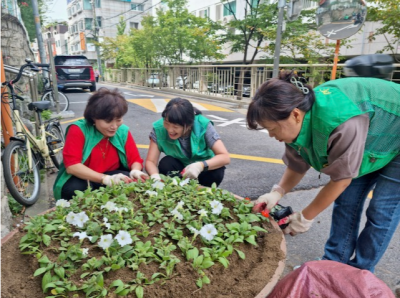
(302, 248)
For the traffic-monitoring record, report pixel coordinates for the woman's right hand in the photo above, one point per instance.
(110, 180)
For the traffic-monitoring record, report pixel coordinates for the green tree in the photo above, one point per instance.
(27, 15)
(387, 12)
(121, 26)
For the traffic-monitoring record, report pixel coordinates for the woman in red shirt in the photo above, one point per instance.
(99, 149)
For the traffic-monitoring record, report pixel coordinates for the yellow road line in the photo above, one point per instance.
(73, 120)
(238, 156)
(144, 103)
(211, 107)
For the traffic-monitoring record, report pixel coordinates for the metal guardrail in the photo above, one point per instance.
(223, 81)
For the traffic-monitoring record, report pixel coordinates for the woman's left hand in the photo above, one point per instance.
(136, 174)
(193, 170)
(297, 224)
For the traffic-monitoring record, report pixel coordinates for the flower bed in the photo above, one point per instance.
(163, 239)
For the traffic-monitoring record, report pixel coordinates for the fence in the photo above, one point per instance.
(228, 81)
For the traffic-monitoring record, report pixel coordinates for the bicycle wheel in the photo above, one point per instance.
(62, 100)
(23, 183)
(55, 142)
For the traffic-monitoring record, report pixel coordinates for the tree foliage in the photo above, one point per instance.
(28, 18)
(387, 12)
(121, 26)
(175, 36)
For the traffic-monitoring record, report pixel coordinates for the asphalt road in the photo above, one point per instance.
(255, 166)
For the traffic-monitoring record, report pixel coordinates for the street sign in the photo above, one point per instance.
(340, 19)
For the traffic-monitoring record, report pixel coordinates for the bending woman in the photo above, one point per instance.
(191, 145)
(348, 129)
(99, 150)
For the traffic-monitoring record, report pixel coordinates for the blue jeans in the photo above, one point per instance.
(383, 217)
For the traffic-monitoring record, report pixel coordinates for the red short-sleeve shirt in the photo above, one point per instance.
(104, 156)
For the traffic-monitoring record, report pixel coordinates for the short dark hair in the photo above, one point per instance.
(105, 105)
(277, 98)
(180, 111)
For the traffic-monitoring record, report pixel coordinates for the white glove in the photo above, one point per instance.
(272, 198)
(136, 174)
(155, 177)
(193, 170)
(297, 224)
(115, 179)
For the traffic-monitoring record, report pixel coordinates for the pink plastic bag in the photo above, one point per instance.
(330, 279)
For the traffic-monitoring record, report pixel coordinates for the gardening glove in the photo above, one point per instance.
(109, 180)
(193, 170)
(156, 177)
(271, 198)
(136, 174)
(297, 224)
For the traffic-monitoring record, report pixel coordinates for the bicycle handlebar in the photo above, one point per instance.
(21, 70)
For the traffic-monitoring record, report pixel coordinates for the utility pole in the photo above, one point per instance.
(277, 52)
(38, 29)
(95, 32)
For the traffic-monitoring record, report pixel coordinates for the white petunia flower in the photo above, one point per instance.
(202, 212)
(81, 218)
(71, 218)
(180, 205)
(151, 193)
(194, 231)
(123, 238)
(82, 235)
(63, 203)
(208, 232)
(216, 207)
(177, 214)
(110, 206)
(184, 182)
(105, 241)
(158, 184)
(174, 181)
(120, 209)
(106, 223)
(85, 251)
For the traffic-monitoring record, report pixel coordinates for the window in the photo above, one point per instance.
(87, 5)
(254, 3)
(73, 9)
(80, 26)
(97, 3)
(69, 12)
(98, 22)
(78, 6)
(138, 7)
(133, 25)
(204, 13)
(230, 8)
(88, 23)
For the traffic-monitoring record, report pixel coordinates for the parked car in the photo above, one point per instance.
(74, 72)
(179, 82)
(153, 80)
(246, 91)
(196, 85)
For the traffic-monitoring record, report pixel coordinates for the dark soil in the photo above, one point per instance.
(243, 278)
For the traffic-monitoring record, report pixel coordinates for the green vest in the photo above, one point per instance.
(173, 148)
(339, 100)
(92, 138)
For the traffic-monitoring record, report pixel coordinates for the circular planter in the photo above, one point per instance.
(263, 293)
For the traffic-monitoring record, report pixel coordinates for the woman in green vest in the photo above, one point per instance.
(99, 150)
(348, 129)
(191, 144)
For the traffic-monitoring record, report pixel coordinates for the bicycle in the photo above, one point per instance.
(48, 93)
(26, 154)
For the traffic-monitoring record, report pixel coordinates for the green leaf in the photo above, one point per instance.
(139, 292)
(46, 280)
(205, 279)
(123, 292)
(223, 261)
(251, 239)
(100, 280)
(198, 261)
(83, 275)
(199, 283)
(40, 271)
(117, 283)
(46, 239)
(192, 253)
(60, 271)
(115, 267)
(241, 254)
(44, 260)
(259, 229)
(252, 218)
(207, 263)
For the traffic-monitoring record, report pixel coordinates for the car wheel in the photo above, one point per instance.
(92, 88)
